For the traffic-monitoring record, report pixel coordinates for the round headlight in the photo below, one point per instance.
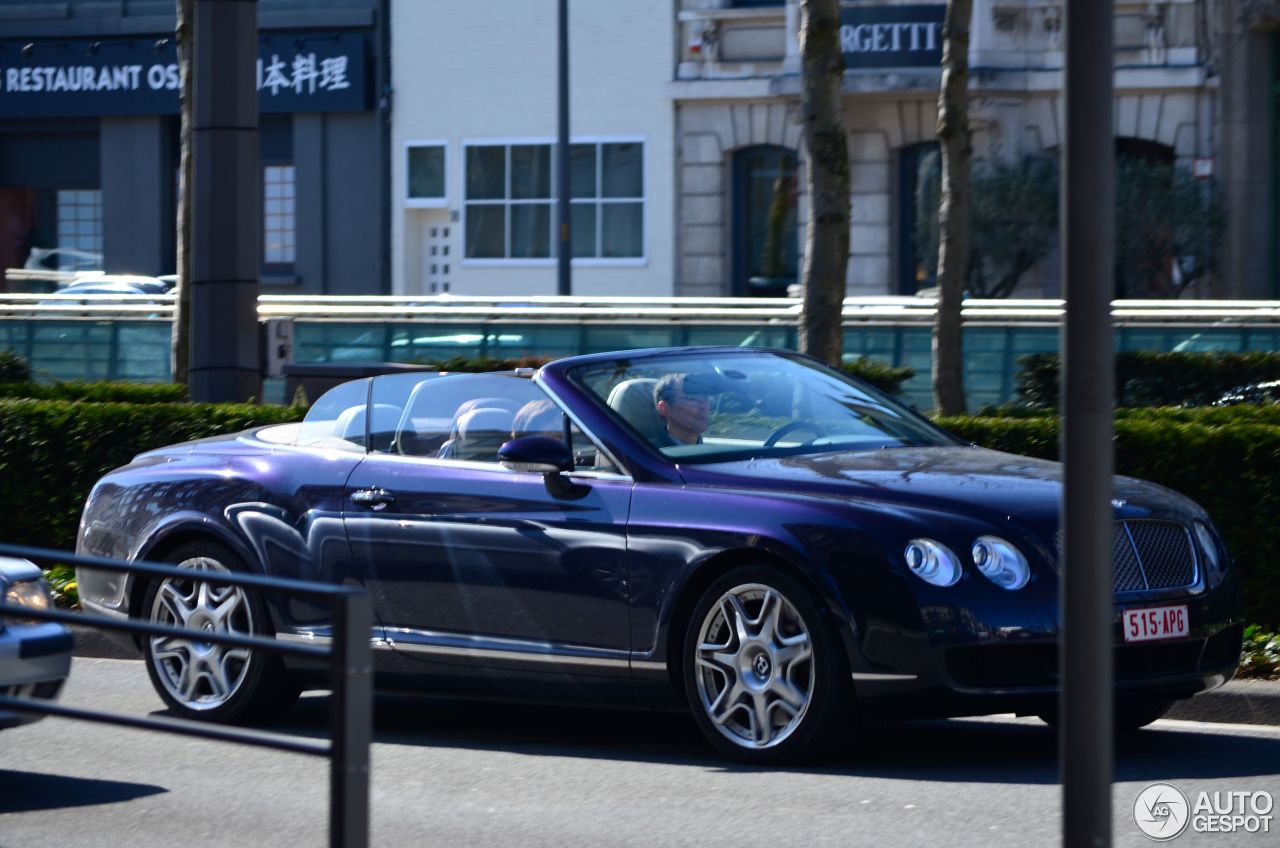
(933, 562)
(1210, 547)
(1001, 562)
(32, 594)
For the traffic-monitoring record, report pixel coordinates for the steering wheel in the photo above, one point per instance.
(792, 426)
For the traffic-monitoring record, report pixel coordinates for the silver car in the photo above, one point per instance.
(35, 656)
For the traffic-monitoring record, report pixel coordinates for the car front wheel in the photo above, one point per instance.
(763, 669)
(204, 680)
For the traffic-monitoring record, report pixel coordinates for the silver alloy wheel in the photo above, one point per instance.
(201, 675)
(754, 666)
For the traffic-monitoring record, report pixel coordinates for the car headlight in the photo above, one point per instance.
(1001, 562)
(933, 562)
(32, 594)
(1212, 556)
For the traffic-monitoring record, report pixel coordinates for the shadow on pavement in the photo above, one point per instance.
(997, 750)
(25, 792)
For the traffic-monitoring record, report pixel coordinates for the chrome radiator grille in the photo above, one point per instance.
(1150, 555)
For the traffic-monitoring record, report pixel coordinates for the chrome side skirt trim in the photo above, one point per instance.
(648, 665)
(376, 640)
(870, 675)
(511, 650)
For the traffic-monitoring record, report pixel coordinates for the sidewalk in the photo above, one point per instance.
(1239, 702)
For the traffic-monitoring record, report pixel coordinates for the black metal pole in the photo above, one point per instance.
(351, 722)
(226, 214)
(564, 284)
(1088, 250)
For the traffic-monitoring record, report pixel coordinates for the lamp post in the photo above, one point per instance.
(1088, 251)
(226, 215)
(564, 284)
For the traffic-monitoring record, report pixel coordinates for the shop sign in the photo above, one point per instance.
(296, 72)
(891, 36)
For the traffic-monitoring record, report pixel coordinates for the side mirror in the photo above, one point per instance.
(541, 454)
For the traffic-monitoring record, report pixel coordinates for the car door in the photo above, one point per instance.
(475, 565)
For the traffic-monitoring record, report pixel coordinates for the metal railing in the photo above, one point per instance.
(534, 308)
(116, 337)
(349, 655)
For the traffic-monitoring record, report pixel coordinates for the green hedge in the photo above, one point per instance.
(1151, 378)
(481, 364)
(52, 452)
(885, 377)
(1230, 467)
(13, 368)
(98, 391)
(1209, 416)
(1261, 654)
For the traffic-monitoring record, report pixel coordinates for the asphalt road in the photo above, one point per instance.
(461, 774)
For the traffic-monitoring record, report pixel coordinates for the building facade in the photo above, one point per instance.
(473, 136)
(1247, 54)
(1187, 91)
(427, 165)
(89, 140)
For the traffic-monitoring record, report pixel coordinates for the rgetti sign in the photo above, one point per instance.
(891, 36)
(296, 72)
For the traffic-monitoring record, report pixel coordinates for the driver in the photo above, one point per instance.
(684, 404)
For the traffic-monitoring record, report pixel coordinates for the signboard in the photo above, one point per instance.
(297, 72)
(891, 36)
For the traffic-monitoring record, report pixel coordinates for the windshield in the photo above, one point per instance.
(713, 407)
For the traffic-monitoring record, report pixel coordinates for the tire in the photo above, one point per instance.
(764, 671)
(213, 682)
(1128, 716)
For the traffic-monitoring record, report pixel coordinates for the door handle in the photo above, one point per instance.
(375, 499)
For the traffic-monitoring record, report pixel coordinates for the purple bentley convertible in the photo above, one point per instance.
(747, 534)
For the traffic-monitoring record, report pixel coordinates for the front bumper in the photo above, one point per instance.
(971, 668)
(34, 661)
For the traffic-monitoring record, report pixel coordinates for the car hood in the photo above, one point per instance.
(1000, 486)
(240, 443)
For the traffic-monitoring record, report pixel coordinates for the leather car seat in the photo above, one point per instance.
(480, 433)
(633, 401)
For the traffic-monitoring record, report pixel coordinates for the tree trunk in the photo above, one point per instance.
(953, 214)
(180, 343)
(826, 246)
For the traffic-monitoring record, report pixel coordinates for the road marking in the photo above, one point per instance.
(1166, 723)
(1218, 727)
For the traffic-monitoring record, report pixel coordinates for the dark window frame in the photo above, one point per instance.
(597, 201)
(269, 267)
(740, 266)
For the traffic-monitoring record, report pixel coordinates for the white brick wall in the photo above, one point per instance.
(486, 69)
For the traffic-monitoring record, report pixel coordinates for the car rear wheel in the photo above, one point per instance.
(203, 680)
(763, 669)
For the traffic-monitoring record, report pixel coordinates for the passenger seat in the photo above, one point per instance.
(480, 433)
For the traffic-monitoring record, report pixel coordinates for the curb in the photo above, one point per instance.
(91, 643)
(1239, 702)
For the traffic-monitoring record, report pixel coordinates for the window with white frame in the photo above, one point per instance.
(79, 229)
(279, 218)
(425, 167)
(510, 200)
